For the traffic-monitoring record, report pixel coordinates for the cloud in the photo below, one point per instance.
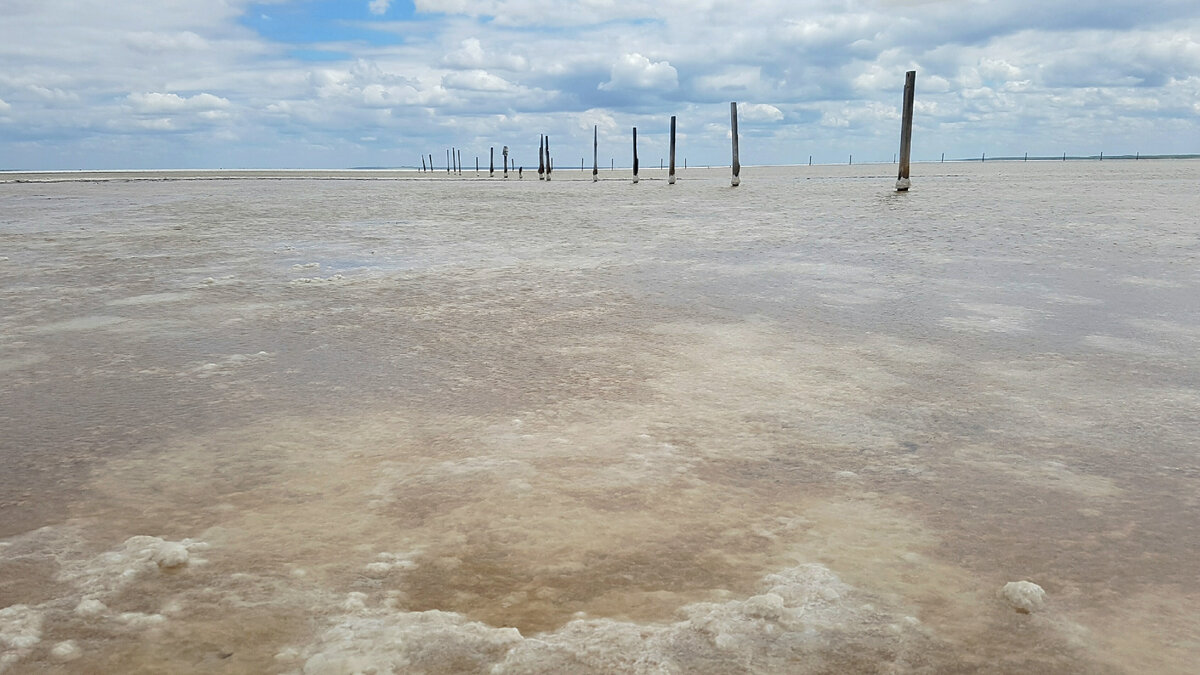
(759, 112)
(153, 102)
(4, 106)
(378, 7)
(634, 71)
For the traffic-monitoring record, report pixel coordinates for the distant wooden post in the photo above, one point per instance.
(447, 161)
(460, 161)
(1064, 156)
(1027, 157)
(671, 171)
(431, 162)
(983, 157)
(476, 165)
(422, 163)
(541, 157)
(737, 165)
(910, 82)
(549, 162)
(810, 160)
(596, 153)
(851, 160)
(453, 160)
(635, 159)
(505, 151)
(492, 163)
(943, 158)
(1101, 155)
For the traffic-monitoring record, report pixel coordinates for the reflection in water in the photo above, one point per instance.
(324, 426)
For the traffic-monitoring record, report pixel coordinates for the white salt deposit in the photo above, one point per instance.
(20, 632)
(803, 617)
(66, 651)
(170, 554)
(1023, 596)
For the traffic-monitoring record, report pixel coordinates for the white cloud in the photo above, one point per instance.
(759, 112)
(379, 7)
(4, 106)
(154, 102)
(634, 71)
(476, 80)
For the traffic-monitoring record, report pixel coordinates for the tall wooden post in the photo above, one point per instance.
(671, 172)
(460, 161)
(476, 165)
(447, 161)
(492, 163)
(505, 151)
(422, 163)
(737, 165)
(549, 162)
(431, 162)
(595, 153)
(541, 157)
(635, 159)
(910, 83)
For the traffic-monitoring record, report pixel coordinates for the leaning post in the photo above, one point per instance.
(737, 165)
(902, 181)
(635, 159)
(671, 172)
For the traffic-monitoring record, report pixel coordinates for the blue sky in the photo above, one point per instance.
(225, 83)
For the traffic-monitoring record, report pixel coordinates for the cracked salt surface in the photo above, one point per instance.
(620, 436)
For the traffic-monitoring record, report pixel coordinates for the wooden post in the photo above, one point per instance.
(1064, 156)
(810, 160)
(460, 161)
(549, 162)
(476, 165)
(453, 161)
(1027, 157)
(505, 151)
(1101, 155)
(447, 161)
(431, 162)
(635, 159)
(541, 157)
(910, 82)
(737, 165)
(595, 153)
(671, 171)
(983, 157)
(943, 158)
(851, 160)
(492, 163)
(422, 163)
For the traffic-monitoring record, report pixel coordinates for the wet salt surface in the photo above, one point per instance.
(431, 425)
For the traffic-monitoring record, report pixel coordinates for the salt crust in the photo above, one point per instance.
(802, 617)
(1023, 596)
(95, 580)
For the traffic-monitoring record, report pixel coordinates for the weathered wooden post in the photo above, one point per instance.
(910, 82)
(596, 153)
(476, 165)
(671, 171)
(1027, 157)
(851, 160)
(541, 157)
(549, 162)
(431, 162)
(447, 161)
(422, 163)
(943, 158)
(983, 157)
(492, 163)
(453, 160)
(505, 151)
(635, 159)
(460, 161)
(810, 160)
(737, 165)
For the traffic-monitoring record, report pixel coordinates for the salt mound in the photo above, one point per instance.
(1024, 596)
(803, 619)
(170, 554)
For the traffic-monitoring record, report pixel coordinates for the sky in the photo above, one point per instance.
(129, 84)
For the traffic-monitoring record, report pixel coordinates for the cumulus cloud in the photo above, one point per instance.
(759, 112)
(379, 7)
(634, 71)
(154, 102)
(4, 106)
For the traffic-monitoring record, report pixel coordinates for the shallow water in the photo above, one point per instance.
(435, 424)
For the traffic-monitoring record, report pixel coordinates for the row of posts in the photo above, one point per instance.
(546, 165)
